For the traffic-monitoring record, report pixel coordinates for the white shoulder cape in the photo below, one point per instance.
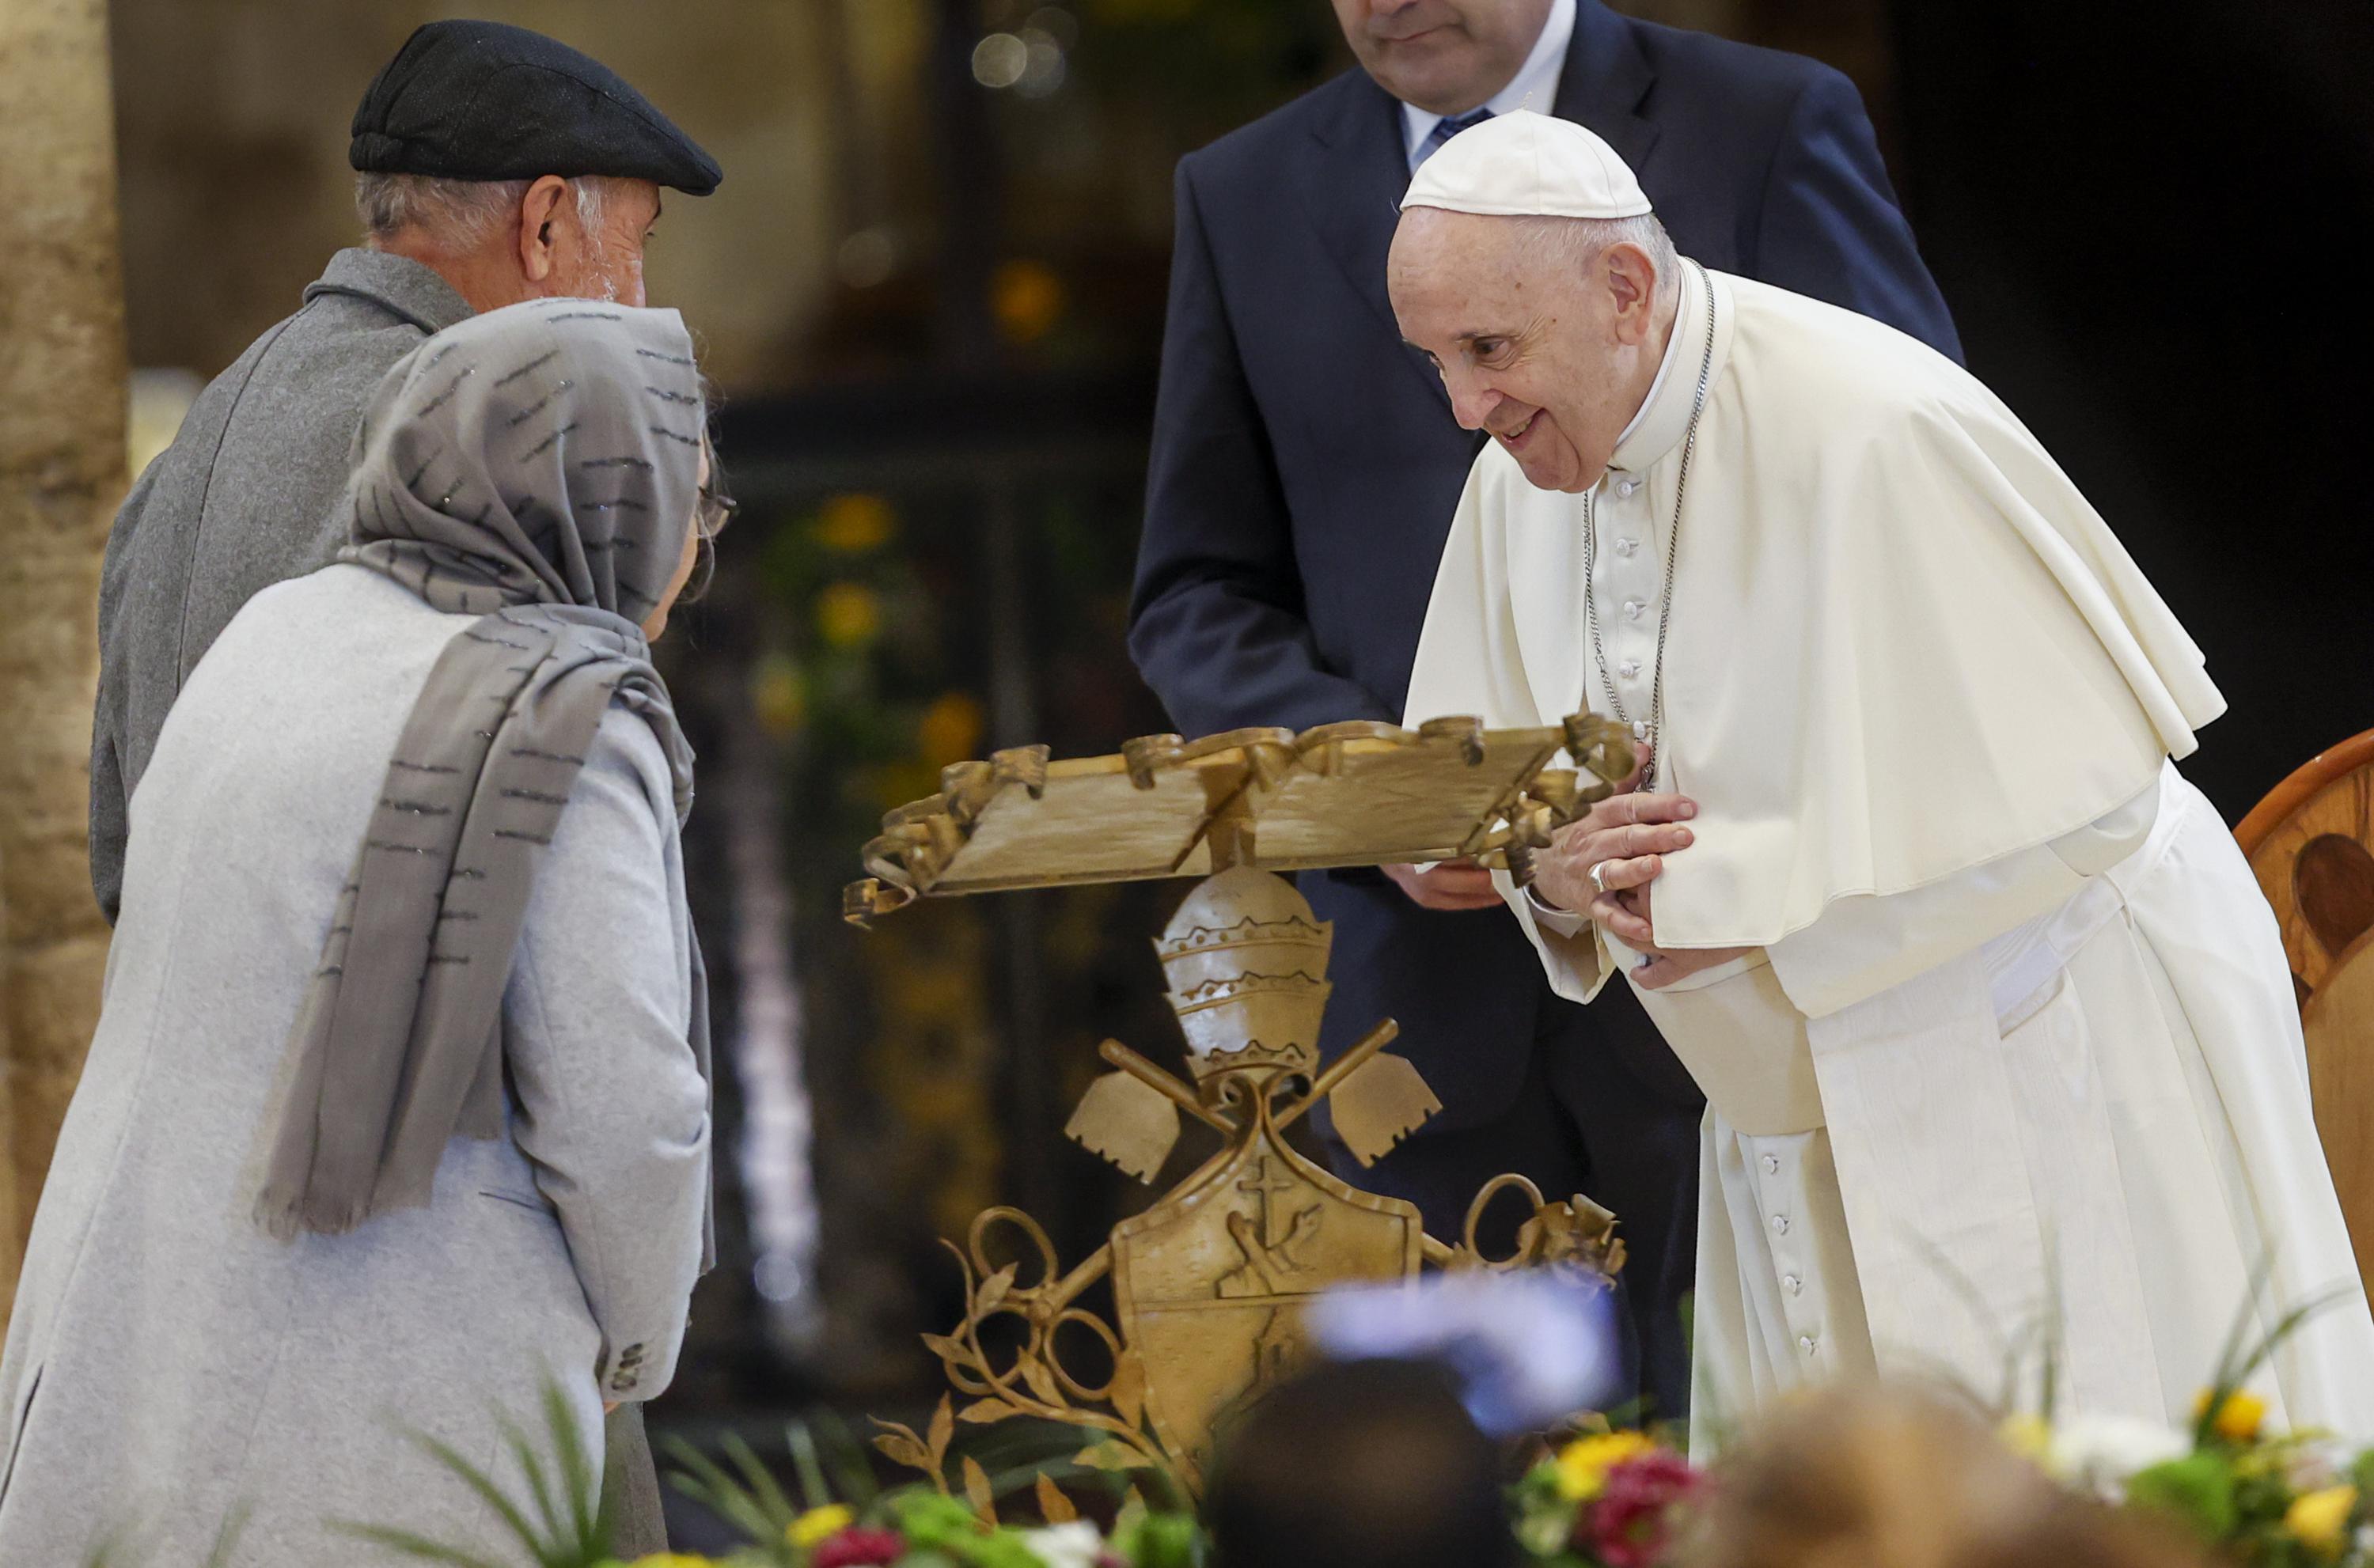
(1902, 643)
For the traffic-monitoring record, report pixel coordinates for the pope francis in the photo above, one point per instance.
(1998, 1041)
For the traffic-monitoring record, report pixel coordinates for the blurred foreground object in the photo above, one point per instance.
(2311, 844)
(1210, 1283)
(1366, 1464)
(1857, 1477)
(1531, 1350)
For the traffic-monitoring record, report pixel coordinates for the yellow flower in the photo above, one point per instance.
(2028, 1435)
(1583, 1464)
(847, 614)
(2237, 1418)
(820, 1525)
(672, 1559)
(2319, 1520)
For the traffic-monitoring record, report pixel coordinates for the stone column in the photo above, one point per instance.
(62, 410)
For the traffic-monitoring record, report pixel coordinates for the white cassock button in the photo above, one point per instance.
(1628, 486)
(1806, 1343)
(1772, 1164)
(1630, 669)
(1632, 608)
(1780, 1224)
(1795, 1286)
(1625, 547)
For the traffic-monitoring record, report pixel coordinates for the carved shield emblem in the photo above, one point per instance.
(1211, 1283)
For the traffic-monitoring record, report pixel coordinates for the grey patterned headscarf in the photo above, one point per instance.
(538, 467)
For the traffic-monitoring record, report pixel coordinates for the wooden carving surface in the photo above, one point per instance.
(1210, 1283)
(2315, 863)
(1342, 795)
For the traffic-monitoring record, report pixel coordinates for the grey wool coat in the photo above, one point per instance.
(245, 497)
(168, 1361)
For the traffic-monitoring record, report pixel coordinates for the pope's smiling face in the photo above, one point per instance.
(1548, 347)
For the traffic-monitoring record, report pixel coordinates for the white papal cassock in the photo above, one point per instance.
(2017, 1049)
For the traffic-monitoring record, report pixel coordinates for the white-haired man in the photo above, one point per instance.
(1994, 1027)
(493, 165)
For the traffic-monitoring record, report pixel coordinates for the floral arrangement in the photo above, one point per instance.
(1605, 1500)
(2253, 1496)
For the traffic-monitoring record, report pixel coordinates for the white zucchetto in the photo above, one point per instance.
(1527, 165)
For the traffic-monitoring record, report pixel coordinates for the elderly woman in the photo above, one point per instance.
(397, 1107)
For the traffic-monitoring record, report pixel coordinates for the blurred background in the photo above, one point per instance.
(932, 289)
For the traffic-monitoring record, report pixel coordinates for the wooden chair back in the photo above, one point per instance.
(2311, 843)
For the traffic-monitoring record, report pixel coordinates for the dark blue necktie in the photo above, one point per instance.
(1446, 129)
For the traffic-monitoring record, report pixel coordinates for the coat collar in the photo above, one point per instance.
(1354, 187)
(1353, 192)
(1606, 80)
(398, 285)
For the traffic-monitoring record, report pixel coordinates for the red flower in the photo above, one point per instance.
(1628, 1525)
(858, 1548)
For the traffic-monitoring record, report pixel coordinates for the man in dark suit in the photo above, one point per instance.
(1304, 473)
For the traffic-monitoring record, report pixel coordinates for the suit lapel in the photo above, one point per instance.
(1604, 81)
(1352, 185)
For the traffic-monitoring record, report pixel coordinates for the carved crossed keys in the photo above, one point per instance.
(1209, 1282)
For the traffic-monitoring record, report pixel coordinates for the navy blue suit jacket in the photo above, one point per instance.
(1306, 465)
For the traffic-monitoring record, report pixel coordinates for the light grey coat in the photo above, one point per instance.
(168, 1361)
(245, 497)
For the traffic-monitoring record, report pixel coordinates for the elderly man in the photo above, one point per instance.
(1304, 470)
(493, 166)
(1995, 1030)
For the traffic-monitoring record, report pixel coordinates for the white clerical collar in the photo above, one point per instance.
(1664, 416)
(1534, 86)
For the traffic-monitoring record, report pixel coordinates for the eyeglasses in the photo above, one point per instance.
(716, 510)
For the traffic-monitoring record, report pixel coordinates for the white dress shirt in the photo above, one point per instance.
(1534, 86)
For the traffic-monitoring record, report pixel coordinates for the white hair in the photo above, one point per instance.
(1572, 244)
(460, 215)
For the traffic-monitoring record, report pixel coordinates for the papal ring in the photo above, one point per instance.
(1599, 877)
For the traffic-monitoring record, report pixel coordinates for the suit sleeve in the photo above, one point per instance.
(1830, 228)
(611, 1109)
(110, 806)
(1216, 620)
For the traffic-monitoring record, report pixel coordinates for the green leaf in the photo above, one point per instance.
(1110, 1456)
(809, 1466)
(705, 1481)
(407, 1544)
(588, 1507)
(762, 1481)
(2197, 1490)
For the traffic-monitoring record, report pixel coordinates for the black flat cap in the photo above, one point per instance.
(480, 100)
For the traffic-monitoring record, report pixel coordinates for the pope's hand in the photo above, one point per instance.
(1626, 835)
(1627, 913)
(1451, 885)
